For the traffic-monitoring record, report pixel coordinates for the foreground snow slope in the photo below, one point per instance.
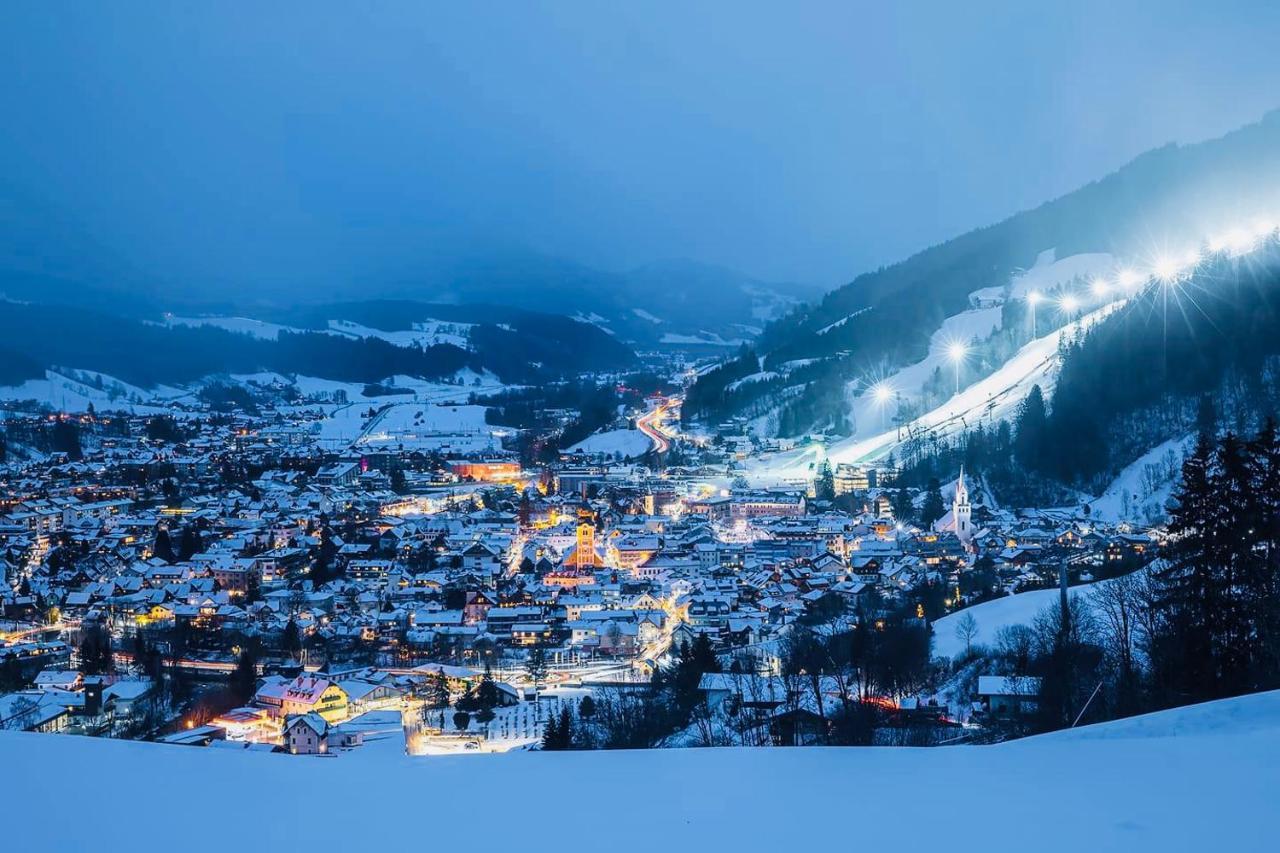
(1192, 779)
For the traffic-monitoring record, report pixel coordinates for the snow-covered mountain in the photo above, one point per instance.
(358, 342)
(675, 303)
(893, 325)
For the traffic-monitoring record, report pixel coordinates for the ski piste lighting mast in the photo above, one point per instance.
(956, 351)
(1165, 270)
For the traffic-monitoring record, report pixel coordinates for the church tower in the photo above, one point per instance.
(961, 510)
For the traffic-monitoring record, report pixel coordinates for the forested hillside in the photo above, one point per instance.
(1175, 194)
(1197, 353)
(1137, 377)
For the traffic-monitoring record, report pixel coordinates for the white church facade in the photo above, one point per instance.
(959, 520)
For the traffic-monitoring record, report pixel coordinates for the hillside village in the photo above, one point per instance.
(233, 580)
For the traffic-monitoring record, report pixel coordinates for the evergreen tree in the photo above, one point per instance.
(66, 438)
(551, 734)
(11, 676)
(487, 691)
(1188, 590)
(1031, 436)
(244, 678)
(292, 638)
(933, 508)
(536, 666)
(163, 548)
(95, 651)
(565, 733)
(824, 487)
(190, 544)
(1206, 416)
(438, 690)
(903, 510)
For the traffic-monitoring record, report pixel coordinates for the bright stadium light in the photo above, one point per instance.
(1099, 287)
(956, 351)
(1128, 279)
(1240, 241)
(1165, 269)
(882, 392)
(1068, 303)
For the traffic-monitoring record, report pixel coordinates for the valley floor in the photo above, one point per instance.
(1196, 778)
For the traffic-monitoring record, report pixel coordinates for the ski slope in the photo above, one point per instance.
(1047, 276)
(1196, 778)
(965, 327)
(989, 400)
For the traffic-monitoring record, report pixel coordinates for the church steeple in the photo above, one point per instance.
(961, 510)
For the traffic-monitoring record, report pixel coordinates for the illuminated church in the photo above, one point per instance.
(960, 519)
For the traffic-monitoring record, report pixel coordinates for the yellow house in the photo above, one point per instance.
(306, 694)
(158, 613)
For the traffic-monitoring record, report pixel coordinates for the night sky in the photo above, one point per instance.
(229, 146)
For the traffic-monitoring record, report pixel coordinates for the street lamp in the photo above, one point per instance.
(956, 352)
(1069, 304)
(1033, 299)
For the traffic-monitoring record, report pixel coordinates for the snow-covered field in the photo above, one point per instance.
(74, 391)
(1142, 489)
(703, 338)
(991, 616)
(423, 334)
(239, 325)
(457, 429)
(1048, 274)
(1190, 779)
(630, 443)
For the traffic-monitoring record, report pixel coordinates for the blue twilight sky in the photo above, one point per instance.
(251, 144)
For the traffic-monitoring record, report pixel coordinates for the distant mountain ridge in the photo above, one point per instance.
(671, 301)
(362, 346)
(46, 256)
